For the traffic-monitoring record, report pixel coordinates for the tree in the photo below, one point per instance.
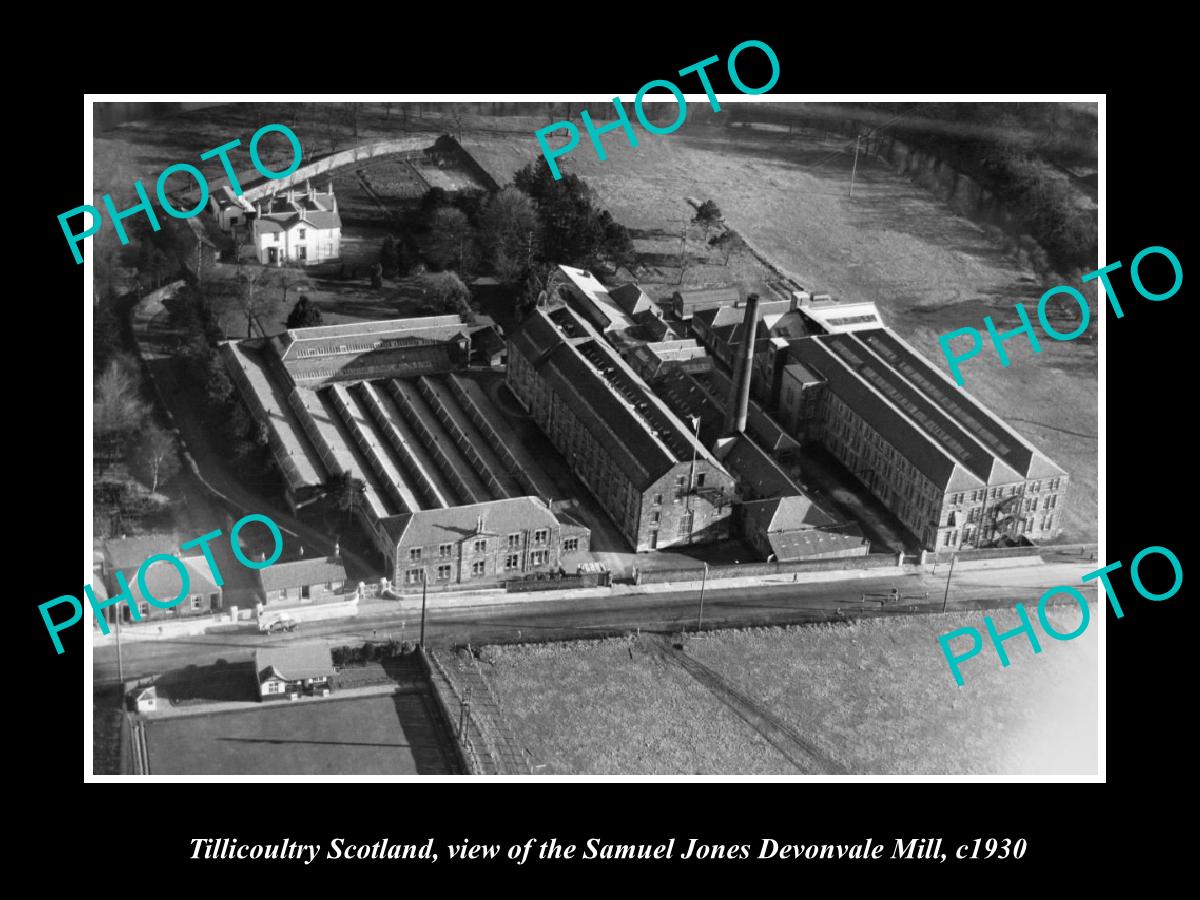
(155, 455)
(304, 314)
(106, 329)
(507, 229)
(445, 291)
(389, 256)
(377, 276)
(726, 242)
(254, 302)
(451, 239)
(218, 387)
(708, 215)
(117, 410)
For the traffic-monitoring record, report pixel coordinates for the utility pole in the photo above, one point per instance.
(422, 609)
(854, 168)
(946, 596)
(692, 477)
(120, 661)
(703, 582)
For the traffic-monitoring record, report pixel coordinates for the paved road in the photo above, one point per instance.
(595, 617)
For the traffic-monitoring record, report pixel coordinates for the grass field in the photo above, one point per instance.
(876, 697)
(586, 708)
(381, 735)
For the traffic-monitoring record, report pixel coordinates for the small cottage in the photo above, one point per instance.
(289, 672)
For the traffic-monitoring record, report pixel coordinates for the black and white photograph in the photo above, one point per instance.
(727, 437)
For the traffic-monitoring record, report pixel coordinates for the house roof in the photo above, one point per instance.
(131, 552)
(300, 572)
(164, 582)
(631, 298)
(599, 306)
(293, 663)
(426, 528)
(795, 511)
(811, 542)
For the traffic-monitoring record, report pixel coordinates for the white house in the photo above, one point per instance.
(229, 208)
(297, 226)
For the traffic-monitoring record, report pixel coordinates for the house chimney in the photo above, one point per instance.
(337, 549)
(479, 524)
(737, 406)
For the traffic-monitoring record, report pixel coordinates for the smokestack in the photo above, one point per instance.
(738, 405)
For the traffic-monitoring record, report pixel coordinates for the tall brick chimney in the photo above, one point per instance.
(738, 406)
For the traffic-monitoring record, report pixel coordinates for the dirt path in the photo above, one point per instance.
(798, 751)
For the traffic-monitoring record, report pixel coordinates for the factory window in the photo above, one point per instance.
(445, 551)
(1049, 523)
(1033, 504)
(654, 517)
(512, 561)
(514, 540)
(700, 480)
(539, 536)
(414, 555)
(570, 545)
(443, 573)
(1051, 502)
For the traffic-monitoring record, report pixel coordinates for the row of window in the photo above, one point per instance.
(512, 562)
(446, 551)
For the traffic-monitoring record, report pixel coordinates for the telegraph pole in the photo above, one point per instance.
(703, 582)
(946, 596)
(422, 609)
(854, 168)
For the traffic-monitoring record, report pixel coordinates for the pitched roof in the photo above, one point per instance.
(919, 447)
(796, 511)
(300, 572)
(426, 528)
(163, 580)
(131, 552)
(598, 304)
(293, 663)
(635, 427)
(788, 545)
(757, 475)
(630, 298)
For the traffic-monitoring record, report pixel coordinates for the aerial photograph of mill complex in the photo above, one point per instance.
(531, 461)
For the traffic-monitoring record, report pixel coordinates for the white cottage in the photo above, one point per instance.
(298, 226)
(229, 209)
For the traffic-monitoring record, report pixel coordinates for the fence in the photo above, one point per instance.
(559, 582)
(438, 682)
(1075, 551)
(750, 570)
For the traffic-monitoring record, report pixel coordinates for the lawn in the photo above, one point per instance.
(383, 735)
(586, 708)
(878, 695)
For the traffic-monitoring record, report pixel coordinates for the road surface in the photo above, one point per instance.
(664, 613)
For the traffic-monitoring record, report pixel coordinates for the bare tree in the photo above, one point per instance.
(117, 410)
(156, 455)
(254, 302)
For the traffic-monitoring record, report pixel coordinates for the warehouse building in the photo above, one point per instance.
(647, 469)
(948, 467)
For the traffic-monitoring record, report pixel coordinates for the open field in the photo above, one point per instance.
(929, 270)
(878, 695)
(393, 734)
(872, 697)
(586, 708)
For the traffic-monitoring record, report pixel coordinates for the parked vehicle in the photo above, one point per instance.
(283, 623)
